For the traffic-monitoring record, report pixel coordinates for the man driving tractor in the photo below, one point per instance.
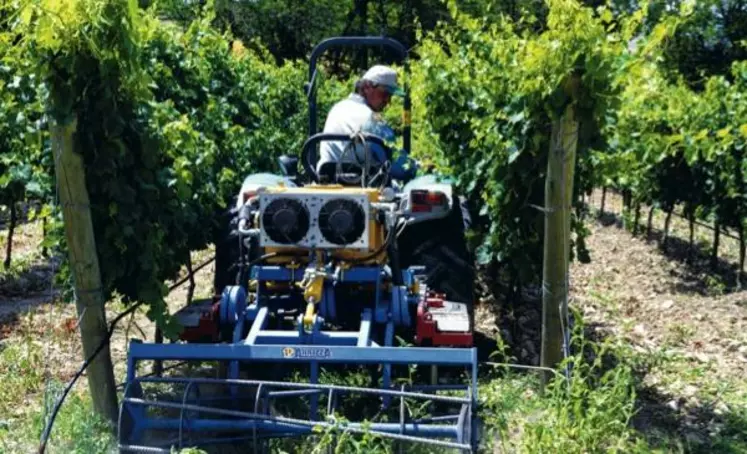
(361, 112)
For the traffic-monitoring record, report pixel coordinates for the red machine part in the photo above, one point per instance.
(443, 323)
(425, 201)
(201, 321)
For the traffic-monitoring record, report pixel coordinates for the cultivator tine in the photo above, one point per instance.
(195, 413)
(401, 417)
(257, 399)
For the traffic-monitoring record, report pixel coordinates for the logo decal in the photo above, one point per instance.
(307, 352)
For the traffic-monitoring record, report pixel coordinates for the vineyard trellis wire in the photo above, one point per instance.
(715, 253)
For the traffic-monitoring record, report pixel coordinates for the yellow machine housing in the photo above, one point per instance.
(376, 236)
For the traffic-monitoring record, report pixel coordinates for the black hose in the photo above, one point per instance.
(389, 239)
(105, 342)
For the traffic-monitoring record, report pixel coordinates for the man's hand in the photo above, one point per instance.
(404, 167)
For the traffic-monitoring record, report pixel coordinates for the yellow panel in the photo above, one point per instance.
(372, 193)
(375, 230)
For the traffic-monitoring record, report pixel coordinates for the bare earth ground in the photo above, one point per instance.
(686, 322)
(40, 325)
(682, 316)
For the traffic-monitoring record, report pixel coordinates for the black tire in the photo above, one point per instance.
(227, 252)
(441, 247)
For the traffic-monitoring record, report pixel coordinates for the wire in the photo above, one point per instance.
(105, 342)
(389, 238)
(71, 383)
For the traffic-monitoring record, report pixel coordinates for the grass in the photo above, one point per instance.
(688, 402)
(678, 335)
(590, 413)
(621, 398)
(25, 396)
(29, 388)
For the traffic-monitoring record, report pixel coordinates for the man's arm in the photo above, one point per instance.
(403, 167)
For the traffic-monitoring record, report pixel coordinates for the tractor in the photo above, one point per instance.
(314, 272)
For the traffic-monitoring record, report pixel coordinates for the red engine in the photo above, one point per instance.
(201, 321)
(443, 323)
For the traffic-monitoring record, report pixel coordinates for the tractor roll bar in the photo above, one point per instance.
(352, 41)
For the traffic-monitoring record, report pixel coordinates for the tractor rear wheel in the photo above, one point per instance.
(441, 247)
(228, 252)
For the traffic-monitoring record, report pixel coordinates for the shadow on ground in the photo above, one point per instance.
(696, 275)
(36, 277)
(668, 423)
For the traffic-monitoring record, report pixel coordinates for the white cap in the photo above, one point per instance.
(384, 76)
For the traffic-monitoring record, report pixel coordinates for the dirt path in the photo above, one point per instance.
(687, 324)
(631, 283)
(688, 327)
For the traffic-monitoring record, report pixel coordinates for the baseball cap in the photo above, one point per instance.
(385, 77)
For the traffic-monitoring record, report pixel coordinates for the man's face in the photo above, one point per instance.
(377, 97)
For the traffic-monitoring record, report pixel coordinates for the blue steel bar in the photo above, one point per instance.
(275, 337)
(387, 372)
(277, 273)
(361, 274)
(251, 421)
(292, 385)
(230, 425)
(330, 305)
(294, 393)
(258, 325)
(364, 334)
(325, 354)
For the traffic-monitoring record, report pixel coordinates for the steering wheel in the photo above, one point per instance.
(310, 155)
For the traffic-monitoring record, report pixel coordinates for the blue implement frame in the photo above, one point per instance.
(313, 347)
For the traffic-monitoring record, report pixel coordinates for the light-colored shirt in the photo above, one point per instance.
(349, 116)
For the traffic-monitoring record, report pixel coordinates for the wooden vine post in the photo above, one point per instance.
(742, 253)
(11, 229)
(558, 198)
(84, 264)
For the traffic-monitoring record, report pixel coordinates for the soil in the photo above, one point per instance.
(667, 302)
(656, 299)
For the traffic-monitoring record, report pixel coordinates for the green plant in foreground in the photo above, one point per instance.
(590, 411)
(77, 429)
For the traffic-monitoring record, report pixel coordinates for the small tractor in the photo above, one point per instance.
(313, 274)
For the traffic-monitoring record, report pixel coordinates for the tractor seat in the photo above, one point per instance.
(327, 172)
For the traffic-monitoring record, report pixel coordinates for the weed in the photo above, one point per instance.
(715, 284)
(589, 411)
(21, 378)
(78, 429)
(678, 335)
